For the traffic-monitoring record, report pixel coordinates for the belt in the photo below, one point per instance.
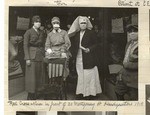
(31, 45)
(58, 44)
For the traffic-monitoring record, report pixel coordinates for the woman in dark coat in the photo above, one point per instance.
(84, 44)
(34, 53)
(128, 76)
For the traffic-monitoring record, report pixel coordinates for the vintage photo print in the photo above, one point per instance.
(65, 113)
(73, 53)
(147, 98)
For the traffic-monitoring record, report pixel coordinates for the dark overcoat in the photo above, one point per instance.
(89, 40)
(130, 70)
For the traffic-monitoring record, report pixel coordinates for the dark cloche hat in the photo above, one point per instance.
(36, 19)
(132, 27)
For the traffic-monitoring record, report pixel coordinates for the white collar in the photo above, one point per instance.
(35, 29)
(82, 32)
(54, 31)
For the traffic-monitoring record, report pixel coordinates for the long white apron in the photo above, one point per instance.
(88, 79)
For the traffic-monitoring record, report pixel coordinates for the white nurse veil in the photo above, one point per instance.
(75, 26)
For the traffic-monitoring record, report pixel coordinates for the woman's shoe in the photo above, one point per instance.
(91, 97)
(31, 96)
(119, 97)
(79, 97)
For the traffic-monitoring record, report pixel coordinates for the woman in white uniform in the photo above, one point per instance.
(84, 44)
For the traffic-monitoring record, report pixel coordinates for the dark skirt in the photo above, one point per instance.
(35, 76)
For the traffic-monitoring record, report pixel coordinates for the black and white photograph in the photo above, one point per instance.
(66, 113)
(72, 53)
(147, 98)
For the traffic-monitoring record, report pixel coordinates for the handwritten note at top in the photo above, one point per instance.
(133, 3)
(60, 3)
(56, 2)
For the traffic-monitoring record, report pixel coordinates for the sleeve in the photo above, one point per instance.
(47, 43)
(133, 61)
(73, 47)
(67, 41)
(94, 41)
(26, 45)
(134, 56)
(131, 65)
(12, 51)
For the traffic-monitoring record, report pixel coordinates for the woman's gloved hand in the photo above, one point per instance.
(63, 55)
(28, 62)
(49, 51)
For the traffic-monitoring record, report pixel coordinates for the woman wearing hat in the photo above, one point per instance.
(84, 44)
(34, 53)
(128, 76)
(58, 41)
